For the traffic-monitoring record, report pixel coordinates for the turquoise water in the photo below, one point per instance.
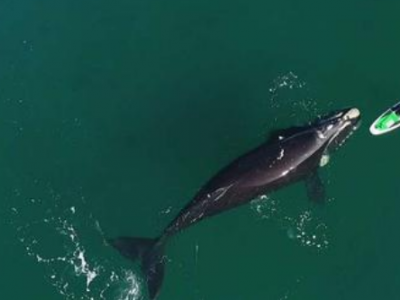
(113, 114)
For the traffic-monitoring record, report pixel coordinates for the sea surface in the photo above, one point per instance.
(114, 113)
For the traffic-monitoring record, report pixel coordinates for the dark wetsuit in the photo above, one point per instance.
(396, 108)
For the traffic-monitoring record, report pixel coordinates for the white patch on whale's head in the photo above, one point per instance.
(334, 129)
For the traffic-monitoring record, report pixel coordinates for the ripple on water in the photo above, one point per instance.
(291, 101)
(302, 226)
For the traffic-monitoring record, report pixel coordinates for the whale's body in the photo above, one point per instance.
(288, 156)
(278, 162)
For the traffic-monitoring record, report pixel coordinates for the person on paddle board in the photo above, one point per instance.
(388, 121)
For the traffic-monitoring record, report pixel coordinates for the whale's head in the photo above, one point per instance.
(334, 129)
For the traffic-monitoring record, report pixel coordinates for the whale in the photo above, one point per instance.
(287, 156)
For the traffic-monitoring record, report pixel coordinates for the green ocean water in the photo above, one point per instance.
(113, 115)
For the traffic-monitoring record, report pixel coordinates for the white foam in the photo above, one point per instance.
(132, 289)
(303, 228)
(82, 268)
(71, 264)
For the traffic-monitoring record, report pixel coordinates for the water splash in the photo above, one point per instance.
(131, 291)
(308, 230)
(289, 80)
(302, 225)
(65, 248)
(265, 207)
(292, 101)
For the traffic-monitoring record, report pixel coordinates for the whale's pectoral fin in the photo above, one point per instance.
(315, 188)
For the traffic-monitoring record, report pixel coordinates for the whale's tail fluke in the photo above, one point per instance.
(150, 254)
